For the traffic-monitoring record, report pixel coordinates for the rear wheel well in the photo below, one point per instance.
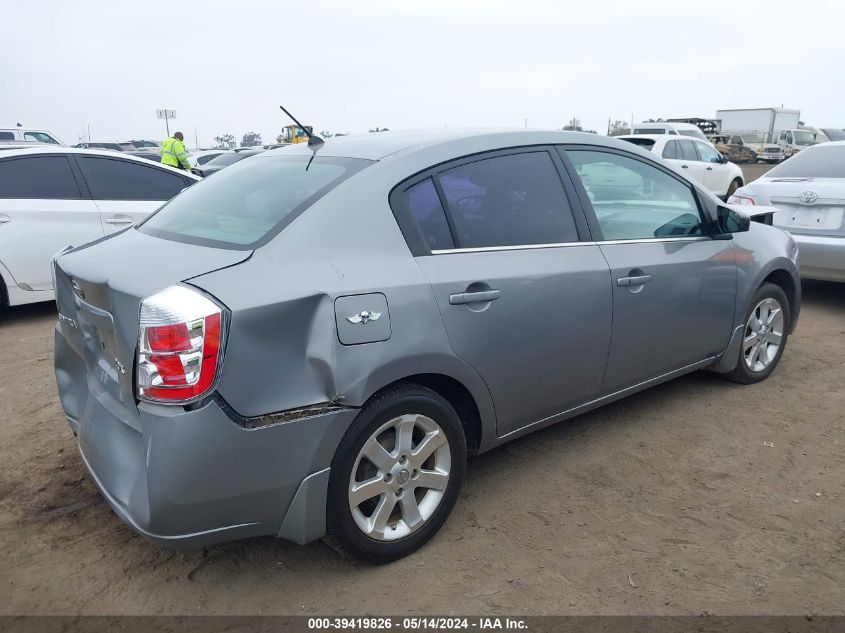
(784, 280)
(458, 396)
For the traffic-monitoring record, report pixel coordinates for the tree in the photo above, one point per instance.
(326, 134)
(251, 139)
(660, 120)
(617, 128)
(574, 125)
(378, 129)
(226, 141)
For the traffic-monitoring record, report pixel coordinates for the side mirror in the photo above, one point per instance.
(723, 158)
(730, 222)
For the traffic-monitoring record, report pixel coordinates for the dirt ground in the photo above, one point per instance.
(698, 495)
(667, 502)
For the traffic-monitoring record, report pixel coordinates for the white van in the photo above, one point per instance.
(13, 134)
(682, 129)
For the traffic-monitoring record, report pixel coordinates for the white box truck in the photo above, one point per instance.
(776, 126)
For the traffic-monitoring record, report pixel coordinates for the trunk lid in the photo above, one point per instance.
(811, 206)
(99, 289)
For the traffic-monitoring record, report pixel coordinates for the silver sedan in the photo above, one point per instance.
(311, 343)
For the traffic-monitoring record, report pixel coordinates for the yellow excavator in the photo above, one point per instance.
(295, 134)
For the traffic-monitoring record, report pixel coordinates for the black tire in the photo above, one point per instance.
(736, 183)
(742, 373)
(342, 532)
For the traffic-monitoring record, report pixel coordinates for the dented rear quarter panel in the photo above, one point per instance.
(283, 349)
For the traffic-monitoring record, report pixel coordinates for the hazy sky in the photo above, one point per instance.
(348, 66)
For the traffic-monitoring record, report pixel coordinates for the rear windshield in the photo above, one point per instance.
(642, 142)
(246, 205)
(228, 158)
(821, 161)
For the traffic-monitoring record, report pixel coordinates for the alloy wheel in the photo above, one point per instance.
(763, 335)
(399, 477)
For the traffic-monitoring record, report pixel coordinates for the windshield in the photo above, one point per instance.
(649, 130)
(803, 137)
(693, 133)
(833, 134)
(821, 161)
(244, 206)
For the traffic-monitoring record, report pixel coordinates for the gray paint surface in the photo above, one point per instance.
(560, 339)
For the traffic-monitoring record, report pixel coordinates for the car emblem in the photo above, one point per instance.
(68, 320)
(77, 289)
(364, 317)
(808, 197)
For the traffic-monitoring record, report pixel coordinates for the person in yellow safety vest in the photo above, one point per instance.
(173, 152)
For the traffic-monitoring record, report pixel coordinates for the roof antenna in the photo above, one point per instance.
(314, 141)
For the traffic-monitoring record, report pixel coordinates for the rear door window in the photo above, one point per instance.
(670, 151)
(512, 200)
(41, 177)
(7, 136)
(116, 179)
(687, 150)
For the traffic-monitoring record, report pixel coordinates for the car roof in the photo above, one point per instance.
(57, 149)
(379, 145)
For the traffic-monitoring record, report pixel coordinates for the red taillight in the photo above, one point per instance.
(169, 338)
(179, 346)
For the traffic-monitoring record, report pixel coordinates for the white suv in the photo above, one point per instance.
(697, 159)
(26, 134)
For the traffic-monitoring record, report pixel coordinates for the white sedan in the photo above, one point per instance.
(808, 193)
(697, 159)
(52, 197)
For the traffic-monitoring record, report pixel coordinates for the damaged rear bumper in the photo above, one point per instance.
(191, 478)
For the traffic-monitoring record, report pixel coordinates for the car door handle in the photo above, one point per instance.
(474, 297)
(709, 169)
(119, 219)
(684, 166)
(640, 280)
(4, 219)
